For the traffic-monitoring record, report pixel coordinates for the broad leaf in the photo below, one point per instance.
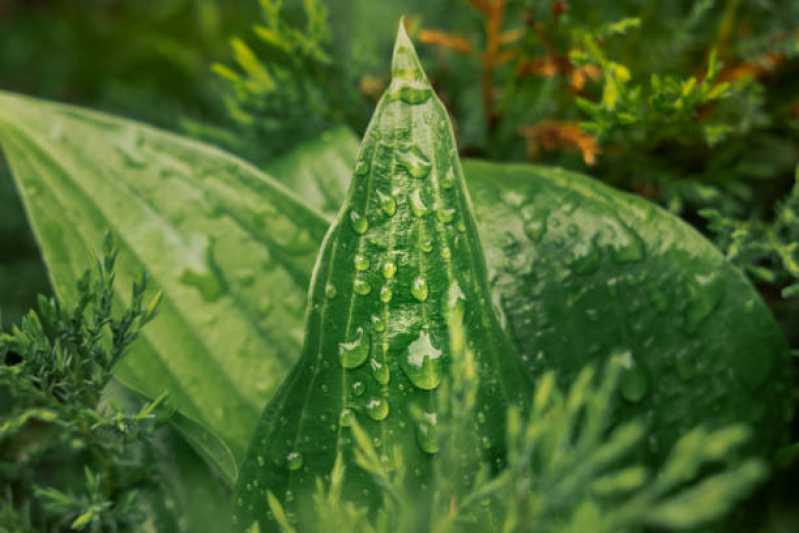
(583, 271)
(231, 249)
(400, 265)
(712, 343)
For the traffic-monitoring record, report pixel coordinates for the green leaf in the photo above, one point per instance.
(583, 271)
(401, 262)
(231, 249)
(708, 348)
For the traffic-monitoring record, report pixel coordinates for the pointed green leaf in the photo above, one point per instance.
(400, 261)
(231, 249)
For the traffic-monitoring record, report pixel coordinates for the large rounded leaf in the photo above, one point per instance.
(583, 271)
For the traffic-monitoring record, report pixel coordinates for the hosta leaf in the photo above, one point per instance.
(230, 248)
(583, 271)
(401, 261)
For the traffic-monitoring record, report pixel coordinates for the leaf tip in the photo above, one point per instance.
(405, 63)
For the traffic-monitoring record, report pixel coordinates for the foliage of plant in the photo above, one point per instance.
(70, 457)
(689, 104)
(569, 470)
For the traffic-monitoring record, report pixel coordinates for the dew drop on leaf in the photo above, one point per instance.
(362, 287)
(358, 388)
(359, 223)
(377, 408)
(330, 291)
(449, 179)
(426, 435)
(294, 460)
(354, 353)
(386, 294)
(417, 204)
(419, 288)
(361, 262)
(634, 384)
(422, 362)
(389, 269)
(387, 203)
(380, 371)
(445, 215)
(346, 418)
(415, 162)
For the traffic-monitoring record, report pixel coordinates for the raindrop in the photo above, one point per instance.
(294, 460)
(634, 384)
(359, 223)
(361, 262)
(387, 203)
(449, 179)
(427, 246)
(358, 388)
(346, 418)
(377, 324)
(446, 215)
(417, 204)
(422, 363)
(377, 408)
(354, 353)
(386, 294)
(389, 269)
(419, 289)
(415, 162)
(361, 168)
(380, 371)
(330, 291)
(535, 229)
(362, 287)
(426, 433)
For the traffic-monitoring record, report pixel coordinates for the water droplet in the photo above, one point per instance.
(449, 179)
(419, 289)
(294, 460)
(417, 204)
(380, 371)
(361, 286)
(361, 262)
(389, 269)
(386, 294)
(631, 250)
(260, 460)
(415, 162)
(446, 253)
(377, 324)
(445, 215)
(387, 203)
(346, 418)
(426, 435)
(361, 168)
(411, 93)
(461, 227)
(354, 353)
(207, 283)
(535, 228)
(427, 246)
(358, 388)
(634, 384)
(422, 363)
(330, 291)
(359, 223)
(377, 408)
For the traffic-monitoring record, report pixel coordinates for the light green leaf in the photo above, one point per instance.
(231, 249)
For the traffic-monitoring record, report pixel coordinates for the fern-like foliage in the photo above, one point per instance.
(767, 250)
(567, 470)
(70, 457)
(283, 86)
